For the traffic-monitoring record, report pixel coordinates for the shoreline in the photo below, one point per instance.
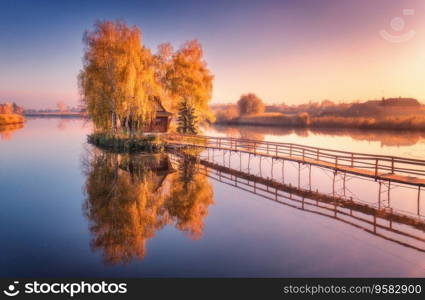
(125, 144)
(56, 115)
(362, 124)
(11, 119)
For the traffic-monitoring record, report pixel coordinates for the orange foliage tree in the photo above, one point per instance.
(250, 104)
(121, 80)
(186, 78)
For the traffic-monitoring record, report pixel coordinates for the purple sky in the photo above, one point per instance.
(285, 51)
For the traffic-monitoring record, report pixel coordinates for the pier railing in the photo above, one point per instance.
(373, 165)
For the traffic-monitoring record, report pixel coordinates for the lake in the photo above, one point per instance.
(68, 209)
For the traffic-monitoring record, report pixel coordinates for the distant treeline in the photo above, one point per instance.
(371, 108)
(393, 113)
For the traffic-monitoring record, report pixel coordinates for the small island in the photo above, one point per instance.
(134, 96)
(11, 114)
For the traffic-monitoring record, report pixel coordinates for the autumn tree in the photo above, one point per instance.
(185, 77)
(6, 108)
(121, 80)
(227, 113)
(250, 104)
(17, 109)
(117, 82)
(62, 106)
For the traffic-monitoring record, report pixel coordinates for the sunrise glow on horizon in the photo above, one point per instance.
(284, 51)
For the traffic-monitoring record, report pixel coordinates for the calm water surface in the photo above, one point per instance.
(70, 210)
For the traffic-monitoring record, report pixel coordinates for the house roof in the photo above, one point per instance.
(160, 110)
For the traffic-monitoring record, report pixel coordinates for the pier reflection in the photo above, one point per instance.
(130, 197)
(387, 222)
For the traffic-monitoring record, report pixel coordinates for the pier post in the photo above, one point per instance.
(260, 166)
(374, 224)
(240, 161)
(271, 173)
(299, 175)
(392, 165)
(309, 177)
(376, 169)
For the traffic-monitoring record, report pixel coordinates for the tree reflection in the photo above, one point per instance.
(130, 197)
(189, 199)
(6, 130)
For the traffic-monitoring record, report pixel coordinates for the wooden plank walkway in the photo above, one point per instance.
(378, 167)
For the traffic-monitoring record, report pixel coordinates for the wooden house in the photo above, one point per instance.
(162, 120)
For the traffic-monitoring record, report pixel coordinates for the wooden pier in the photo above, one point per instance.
(379, 167)
(384, 222)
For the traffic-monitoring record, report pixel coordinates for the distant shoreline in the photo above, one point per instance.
(303, 120)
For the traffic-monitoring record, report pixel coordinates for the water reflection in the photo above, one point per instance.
(7, 130)
(384, 221)
(385, 138)
(130, 197)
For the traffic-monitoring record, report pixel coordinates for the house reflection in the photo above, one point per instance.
(130, 197)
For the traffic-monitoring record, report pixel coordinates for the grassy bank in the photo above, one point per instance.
(125, 144)
(7, 119)
(408, 122)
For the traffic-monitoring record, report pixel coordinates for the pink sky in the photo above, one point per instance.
(284, 51)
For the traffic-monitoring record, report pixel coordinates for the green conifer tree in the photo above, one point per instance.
(187, 120)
